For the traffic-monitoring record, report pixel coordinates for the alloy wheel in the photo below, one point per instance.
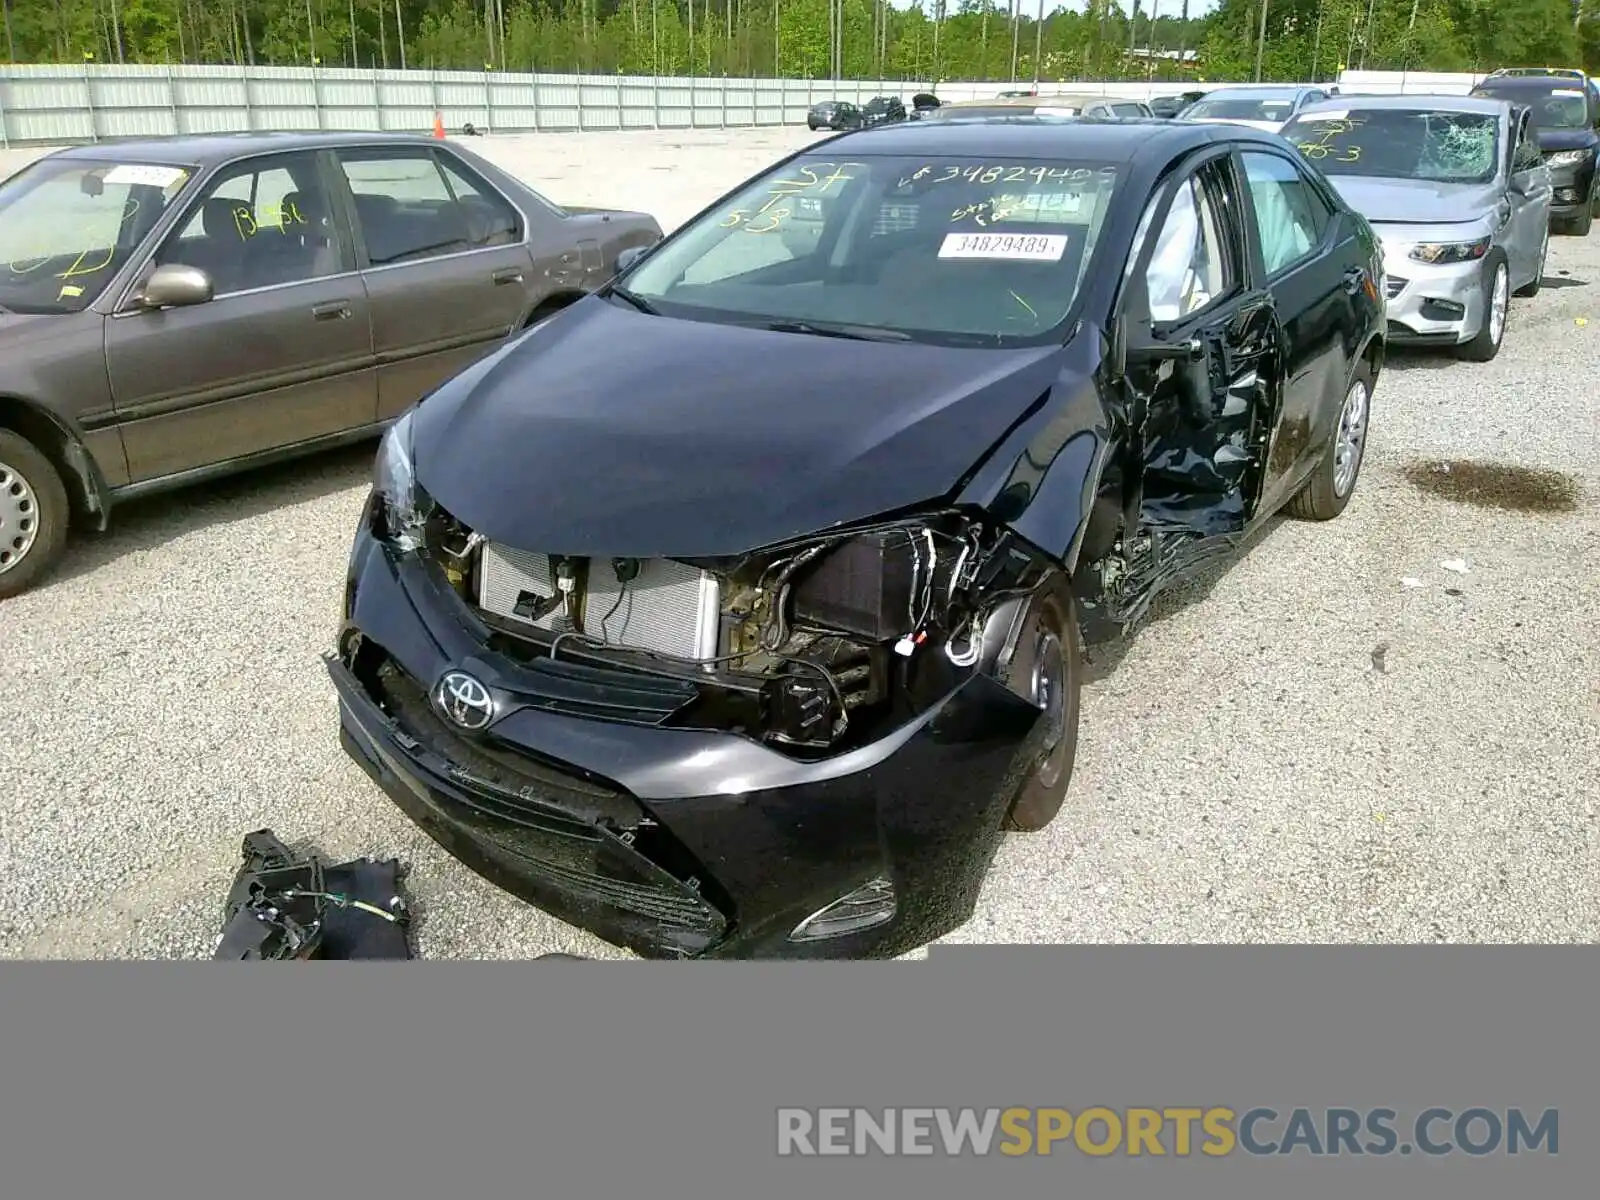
(1499, 302)
(19, 517)
(1351, 439)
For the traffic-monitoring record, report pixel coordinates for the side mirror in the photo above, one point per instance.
(174, 285)
(630, 256)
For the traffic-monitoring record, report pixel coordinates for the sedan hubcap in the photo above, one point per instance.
(1498, 303)
(1049, 685)
(19, 517)
(1352, 438)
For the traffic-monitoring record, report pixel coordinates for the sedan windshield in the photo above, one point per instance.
(1400, 143)
(1275, 107)
(67, 226)
(951, 251)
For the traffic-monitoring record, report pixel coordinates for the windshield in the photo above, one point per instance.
(1561, 108)
(951, 251)
(1395, 143)
(67, 226)
(1243, 108)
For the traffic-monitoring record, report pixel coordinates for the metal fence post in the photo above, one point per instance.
(488, 99)
(622, 122)
(580, 103)
(5, 132)
(316, 93)
(538, 82)
(655, 102)
(723, 107)
(88, 95)
(694, 119)
(433, 92)
(172, 100)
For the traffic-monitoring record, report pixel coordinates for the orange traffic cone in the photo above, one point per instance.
(438, 126)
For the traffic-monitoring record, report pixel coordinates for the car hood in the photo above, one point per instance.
(1412, 201)
(609, 433)
(1565, 139)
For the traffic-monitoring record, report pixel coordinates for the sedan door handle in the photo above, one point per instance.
(508, 275)
(333, 310)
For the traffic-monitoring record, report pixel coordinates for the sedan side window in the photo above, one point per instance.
(1527, 156)
(260, 223)
(413, 207)
(1190, 266)
(1291, 216)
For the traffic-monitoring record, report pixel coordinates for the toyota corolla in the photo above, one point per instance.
(735, 610)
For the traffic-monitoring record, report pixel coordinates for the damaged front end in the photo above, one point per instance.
(806, 750)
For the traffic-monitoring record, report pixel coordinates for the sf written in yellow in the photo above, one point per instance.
(1135, 1132)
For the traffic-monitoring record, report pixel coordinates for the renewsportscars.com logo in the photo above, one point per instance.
(1166, 1132)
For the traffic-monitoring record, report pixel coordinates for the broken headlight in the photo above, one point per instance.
(397, 516)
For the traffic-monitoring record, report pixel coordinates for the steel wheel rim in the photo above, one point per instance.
(19, 517)
(1498, 303)
(1049, 687)
(1352, 437)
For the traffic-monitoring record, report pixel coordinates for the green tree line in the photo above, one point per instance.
(934, 39)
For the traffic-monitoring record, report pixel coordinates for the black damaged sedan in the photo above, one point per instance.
(736, 610)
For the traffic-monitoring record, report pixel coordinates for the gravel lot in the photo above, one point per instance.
(1303, 749)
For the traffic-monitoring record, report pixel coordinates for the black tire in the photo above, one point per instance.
(1532, 288)
(1321, 499)
(1580, 225)
(811, 125)
(1043, 764)
(34, 514)
(1485, 346)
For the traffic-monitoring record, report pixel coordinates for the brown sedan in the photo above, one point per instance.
(179, 308)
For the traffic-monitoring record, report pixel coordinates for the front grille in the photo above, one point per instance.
(1395, 286)
(589, 840)
(668, 607)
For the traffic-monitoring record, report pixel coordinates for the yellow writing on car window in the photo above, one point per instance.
(1323, 146)
(273, 216)
(761, 220)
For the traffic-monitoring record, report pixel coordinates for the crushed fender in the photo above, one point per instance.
(289, 907)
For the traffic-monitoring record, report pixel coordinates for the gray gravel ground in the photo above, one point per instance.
(1246, 771)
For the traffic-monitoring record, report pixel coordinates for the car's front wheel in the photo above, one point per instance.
(33, 514)
(1531, 288)
(1497, 292)
(1331, 485)
(1046, 668)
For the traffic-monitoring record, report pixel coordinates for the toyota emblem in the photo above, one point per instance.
(464, 700)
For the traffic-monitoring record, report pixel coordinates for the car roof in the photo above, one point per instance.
(208, 149)
(1462, 104)
(1529, 83)
(1111, 141)
(1258, 89)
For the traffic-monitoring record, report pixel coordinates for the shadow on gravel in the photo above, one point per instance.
(1495, 485)
(1103, 658)
(1563, 281)
(153, 520)
(1405, 358)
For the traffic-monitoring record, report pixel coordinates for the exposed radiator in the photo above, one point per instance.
(667, 607)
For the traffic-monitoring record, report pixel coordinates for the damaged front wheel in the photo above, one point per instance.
(1046, 668)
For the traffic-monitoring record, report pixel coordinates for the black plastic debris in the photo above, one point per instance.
(288, 907)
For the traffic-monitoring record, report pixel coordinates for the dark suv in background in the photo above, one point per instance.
(834, 114)
(1566, 113)
(883, 110)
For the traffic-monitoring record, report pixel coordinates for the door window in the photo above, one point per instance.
(412, 206)
(260, 223)
(1291, 216)
(1128, 110)
(1526, 157)
(1190, 266)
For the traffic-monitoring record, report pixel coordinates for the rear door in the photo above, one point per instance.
(1204, 355)
(1309, 256)
(445, 259)
(281, 354)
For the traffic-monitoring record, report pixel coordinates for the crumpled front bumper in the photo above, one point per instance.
(669, 842)
(1434, 305)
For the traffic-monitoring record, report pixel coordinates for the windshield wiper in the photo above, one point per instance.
(638, 302)
(857, 333)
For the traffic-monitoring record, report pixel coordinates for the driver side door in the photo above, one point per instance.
(1529, 197)
(1203, 357)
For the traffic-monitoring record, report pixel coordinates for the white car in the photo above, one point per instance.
(1260, 106)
